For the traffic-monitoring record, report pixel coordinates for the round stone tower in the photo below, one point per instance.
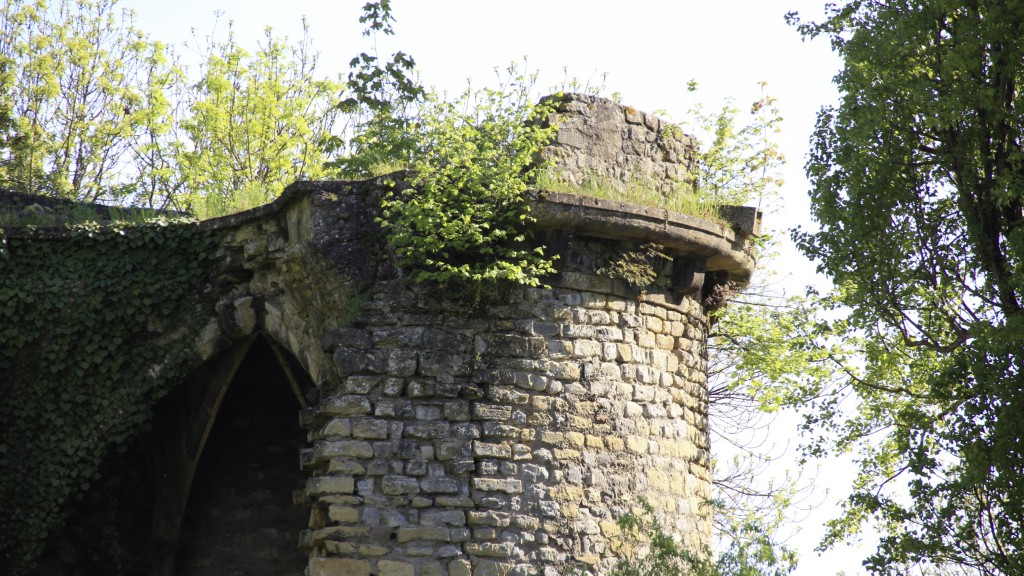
(506, 440)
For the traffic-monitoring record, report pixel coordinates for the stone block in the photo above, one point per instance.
(319, 485)
(349, 361)
(489, 450)
(636, 444)
(420, 389)
(575, 439)
(521, 452)
(455, 568)
(428, 412)
(360, 384)
(393, 484)
(370, 428)
(492, 568)
(395, 568)
(483, 411)
(343, 514)
(443, 518)
(338, 428)
(398, 337)
(494, 429)
(455, 501)
(488, 518)
(506, 485)
(402, 363)
(448, 450)
(430, 429)
(345, 466)
(338, 567)
(343, 448)
(347, 337)
(436, 533)
(439, 485)
(347, 405)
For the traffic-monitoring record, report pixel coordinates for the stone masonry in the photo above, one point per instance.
(456, 435)
(510, 443)
(598, 137)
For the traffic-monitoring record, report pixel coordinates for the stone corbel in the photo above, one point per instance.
(688, 275)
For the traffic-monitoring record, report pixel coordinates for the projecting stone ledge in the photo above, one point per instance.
(726, 249)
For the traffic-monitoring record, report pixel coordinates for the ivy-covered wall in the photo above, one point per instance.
(95, 325)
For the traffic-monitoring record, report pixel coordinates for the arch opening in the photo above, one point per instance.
(240, 517)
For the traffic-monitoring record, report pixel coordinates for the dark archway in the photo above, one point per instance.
(240, 517)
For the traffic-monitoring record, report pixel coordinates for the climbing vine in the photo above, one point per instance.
(85, 321)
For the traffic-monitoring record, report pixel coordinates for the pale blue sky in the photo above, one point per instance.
(649, 49)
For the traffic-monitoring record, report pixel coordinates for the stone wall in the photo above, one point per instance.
(509, 442)
(598, 137)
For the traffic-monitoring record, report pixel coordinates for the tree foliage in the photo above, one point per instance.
(917, 188)
(254, 123)
(92, 109)
(749, 548)
(78, 76)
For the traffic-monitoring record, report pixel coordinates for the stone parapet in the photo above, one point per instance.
(602, 138)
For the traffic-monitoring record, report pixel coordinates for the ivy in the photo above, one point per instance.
(84, 355)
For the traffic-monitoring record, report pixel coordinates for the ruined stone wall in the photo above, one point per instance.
(598, 137)
(453, 437)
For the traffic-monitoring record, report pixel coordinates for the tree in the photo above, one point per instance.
(917, 181)
(91, 109)
(253, 124)
(77, 96)
(383, 100)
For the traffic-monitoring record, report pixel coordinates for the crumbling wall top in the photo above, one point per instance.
(601, 138)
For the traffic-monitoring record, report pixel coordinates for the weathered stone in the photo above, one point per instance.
(346, 448)
(489, 450)
(370, 428)
(436, 430)
(330, 485)
(338, 567)
(352, 361)
(439, 485)
(395, 568)
(457, 568)
(410, 533)
(348, 405)
(393, 484)
(483, 411)
(489, 549)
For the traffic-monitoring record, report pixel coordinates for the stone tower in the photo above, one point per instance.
(442, 439)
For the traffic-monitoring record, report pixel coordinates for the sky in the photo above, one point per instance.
(644, 50)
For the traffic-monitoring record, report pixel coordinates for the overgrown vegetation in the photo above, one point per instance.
(747, 549)
(682, 199)
(84, 358)
(464, 216)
